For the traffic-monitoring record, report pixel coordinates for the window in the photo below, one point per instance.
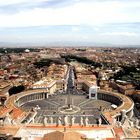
(92, 95)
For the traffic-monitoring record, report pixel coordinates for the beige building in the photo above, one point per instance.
(54, 81)
(123, 87)
(85, 79)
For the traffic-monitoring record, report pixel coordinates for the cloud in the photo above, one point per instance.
(96, 29)
(16, 6)
(99, 20)
(75, 29)
(8, 2)
(128, 34)
(77, 13)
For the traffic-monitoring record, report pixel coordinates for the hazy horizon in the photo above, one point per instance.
(75, 22)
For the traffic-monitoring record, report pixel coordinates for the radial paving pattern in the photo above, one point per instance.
(52, 105)
(70, 108)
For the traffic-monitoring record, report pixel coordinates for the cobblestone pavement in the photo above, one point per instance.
(50, 107)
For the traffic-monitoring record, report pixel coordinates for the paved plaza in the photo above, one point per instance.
(51, 108)
(71, 107)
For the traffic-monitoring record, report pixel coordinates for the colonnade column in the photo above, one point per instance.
(31, 97)
(130, 114)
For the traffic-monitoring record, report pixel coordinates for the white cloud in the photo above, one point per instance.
(8, 2)
(128, 34)
(90, 13)
(75, 29)
(96, 29)
(85, 37)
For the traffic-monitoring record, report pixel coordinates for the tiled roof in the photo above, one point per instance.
(57, 135)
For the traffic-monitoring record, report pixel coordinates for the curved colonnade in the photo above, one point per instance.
(16, 101)
(32, 96)
(123, 102)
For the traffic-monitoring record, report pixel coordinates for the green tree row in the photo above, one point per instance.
(84, 60)
(16, 89)
(42, 63)
(48, 62)
(16, 50)
(126, 71)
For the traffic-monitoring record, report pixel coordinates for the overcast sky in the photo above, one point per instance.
(86, 21)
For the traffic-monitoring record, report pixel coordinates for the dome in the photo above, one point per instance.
(57, 135)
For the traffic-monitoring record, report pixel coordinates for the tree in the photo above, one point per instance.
(16, 89)
(80, 59)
